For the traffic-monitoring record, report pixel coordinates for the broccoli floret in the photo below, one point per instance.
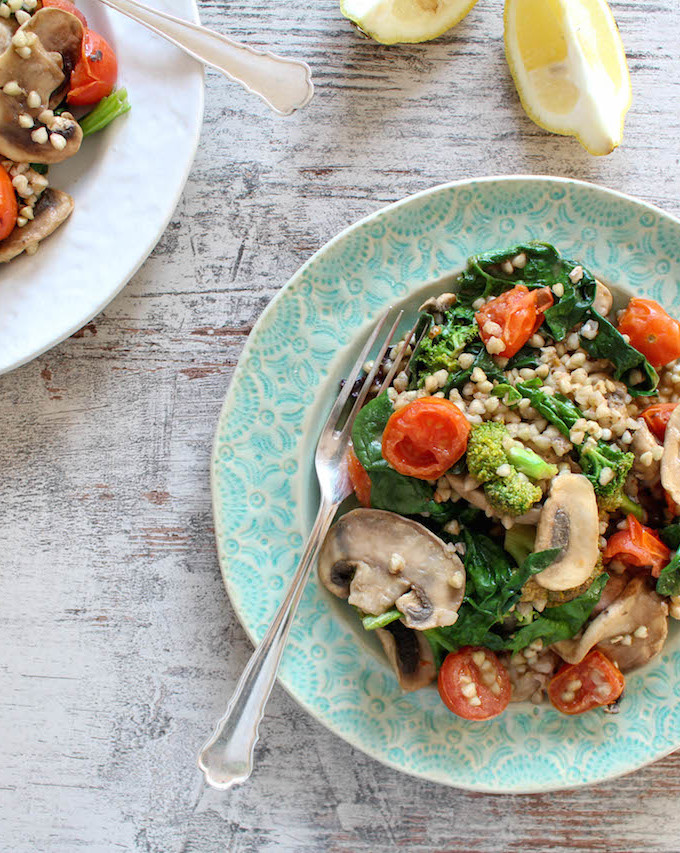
(594, 459)
(485, 450)
(485, 453)
(442, 351)
(512, 495)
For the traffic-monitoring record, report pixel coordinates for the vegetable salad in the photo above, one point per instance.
(51, 62)
(519, 484)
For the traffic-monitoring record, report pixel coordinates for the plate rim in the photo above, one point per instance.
(214, 477)
(60, 337)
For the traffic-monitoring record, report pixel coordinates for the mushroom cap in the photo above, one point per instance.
(379, 559)
(670, 461)
(409, 654)
(569, 520)
(52, 208)
(54, 53)
(637, 606)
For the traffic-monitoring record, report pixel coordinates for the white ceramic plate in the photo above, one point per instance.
(126, 182)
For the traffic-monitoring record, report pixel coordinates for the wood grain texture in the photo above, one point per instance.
(118, 646)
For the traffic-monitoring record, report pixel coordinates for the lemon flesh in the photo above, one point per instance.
(405, 21)
(569, 66)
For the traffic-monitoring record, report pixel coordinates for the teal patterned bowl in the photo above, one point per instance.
(265, 494)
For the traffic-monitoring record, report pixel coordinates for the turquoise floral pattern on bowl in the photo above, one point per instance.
(265, 494)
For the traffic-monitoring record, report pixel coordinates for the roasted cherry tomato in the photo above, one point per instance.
(656, 417)
(67, 6)
(637, 546)
(651, 331)
(425, 438)
(361, 482)
(518, 313)
(95, 74)
(581, 686)
(474, 684)
(8, 205)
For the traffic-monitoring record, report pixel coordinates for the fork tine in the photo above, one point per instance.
(366, 387)
(387, 381)
(354, 374)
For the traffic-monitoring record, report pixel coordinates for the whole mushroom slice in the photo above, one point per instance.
(409, 654)
(7, 29)
(670, 461)
(569, 520)
(30, 86)
(378, 560)
(631, 631)
(52, 208)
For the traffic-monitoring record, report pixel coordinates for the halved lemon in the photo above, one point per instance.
(405, 21)
(569, 66)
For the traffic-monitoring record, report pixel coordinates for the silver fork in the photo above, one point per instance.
(227, 757)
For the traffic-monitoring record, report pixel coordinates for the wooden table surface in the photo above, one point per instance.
(118, 646)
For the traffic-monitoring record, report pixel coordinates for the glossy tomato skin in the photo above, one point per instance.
(66, 6)
(9, 208)
(638, 546)
(94, 76)
(361, 482)
(580, 687)
(519, 313)
(651, 330)
(425, 438)
(656, 417)
(460, 670)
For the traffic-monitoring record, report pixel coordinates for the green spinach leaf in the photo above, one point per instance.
(670, 535)
(669, 579)
(560, 622)
(609, 343)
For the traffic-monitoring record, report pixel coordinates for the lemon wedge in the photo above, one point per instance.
(405, 21)
(569, 66)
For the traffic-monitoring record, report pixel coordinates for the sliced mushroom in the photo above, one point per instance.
(614, 630)
(643, 441)
(52, 208)
(55, 37)
(379, 560)
(670, 461)
(603, 300)
(439, 304)
(569, 521)
(410, 655)
(471, 491)
(7, 28)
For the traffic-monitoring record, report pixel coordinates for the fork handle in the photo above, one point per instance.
(227, 758)
(284, 84)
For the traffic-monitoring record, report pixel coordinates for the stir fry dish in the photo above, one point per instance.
(50, 63)
(519, 482)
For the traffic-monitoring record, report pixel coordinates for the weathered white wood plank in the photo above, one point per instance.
(117, 644)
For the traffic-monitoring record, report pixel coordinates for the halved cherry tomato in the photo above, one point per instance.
(651, 331)
(657, 416)
(8, 205)
(518, 312)
(474, 684)
(361, 482)
(425, 438)
(67, 6)
(637, 546)
(581, 686)
(95, 74)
